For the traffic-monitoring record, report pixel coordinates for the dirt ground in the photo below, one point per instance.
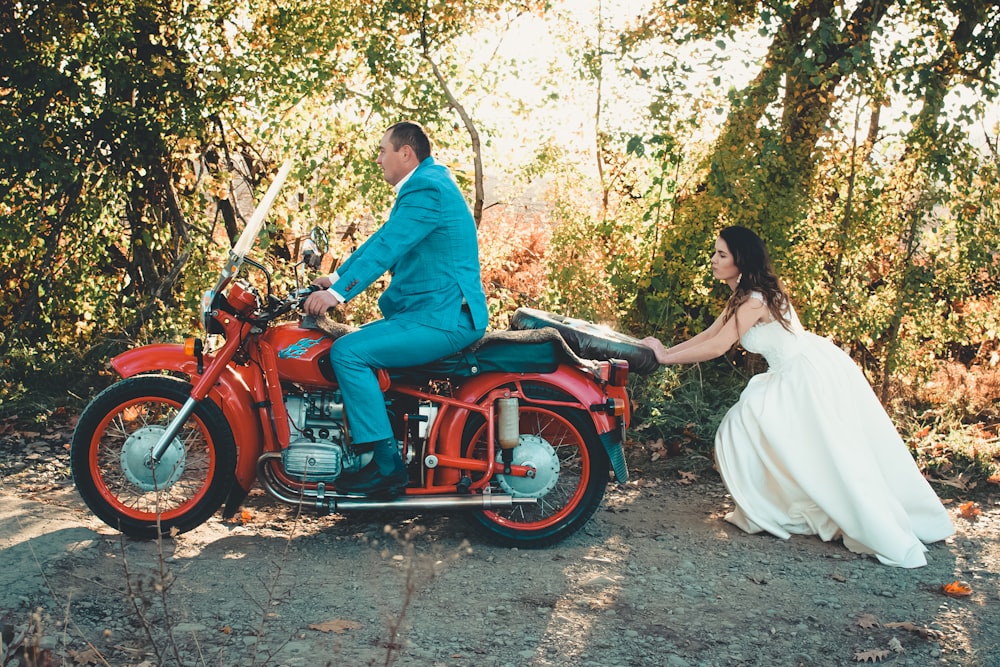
(656, 578)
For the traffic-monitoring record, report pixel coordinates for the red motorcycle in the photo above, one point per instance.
(519, 429)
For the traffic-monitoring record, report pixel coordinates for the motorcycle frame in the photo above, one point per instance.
(235, 389)
(243, 379)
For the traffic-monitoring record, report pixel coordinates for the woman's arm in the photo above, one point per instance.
(714, 341)
(698, 339)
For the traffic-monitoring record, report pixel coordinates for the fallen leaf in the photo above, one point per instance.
(895, 646)
(957, 589)
(88, 656)
(338, 625)
(244, 517)
(868, 621)
(659, 450)
(875, 655)
(926, 633)
(687, 477)
(958, 482)
(969, 510)
(839, 577)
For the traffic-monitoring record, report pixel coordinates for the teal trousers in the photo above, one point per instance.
(388, 343)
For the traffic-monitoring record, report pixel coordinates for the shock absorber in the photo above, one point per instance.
(508, 424)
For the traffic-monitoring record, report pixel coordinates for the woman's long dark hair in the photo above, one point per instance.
(756, 274)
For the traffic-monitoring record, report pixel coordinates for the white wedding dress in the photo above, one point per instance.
(809, 450)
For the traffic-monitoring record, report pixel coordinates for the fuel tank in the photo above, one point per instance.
(303, 354)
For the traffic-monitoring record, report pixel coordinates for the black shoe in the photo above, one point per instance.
(370, 480)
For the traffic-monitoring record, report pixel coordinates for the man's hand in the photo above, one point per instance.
(319, 302)
(323, 282)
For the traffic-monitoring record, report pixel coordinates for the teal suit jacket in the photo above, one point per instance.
(430, 247)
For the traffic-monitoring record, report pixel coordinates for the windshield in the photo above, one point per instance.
(249, 235)
(250, 232)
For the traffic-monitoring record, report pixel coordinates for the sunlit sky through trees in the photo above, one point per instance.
(546, 97)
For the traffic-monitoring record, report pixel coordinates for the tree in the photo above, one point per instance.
(123, 123)
(96, 101)
(821, 59)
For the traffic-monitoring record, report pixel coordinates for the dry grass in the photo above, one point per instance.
(951, 422)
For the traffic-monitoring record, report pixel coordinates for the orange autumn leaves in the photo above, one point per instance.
(969, 510)
(957, 589)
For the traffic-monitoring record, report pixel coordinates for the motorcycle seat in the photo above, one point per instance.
(502, 351)
(539, 350)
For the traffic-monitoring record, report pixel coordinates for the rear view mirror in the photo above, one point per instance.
(314, 247)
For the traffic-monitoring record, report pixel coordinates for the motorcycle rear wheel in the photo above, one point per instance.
(111, 464)
(575, 493)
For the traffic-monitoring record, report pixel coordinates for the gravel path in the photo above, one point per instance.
(656, 578)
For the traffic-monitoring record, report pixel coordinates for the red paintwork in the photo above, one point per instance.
(299, 352)
(230, 393)
(249, 391)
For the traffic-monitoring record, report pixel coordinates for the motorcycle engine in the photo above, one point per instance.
(316, 452)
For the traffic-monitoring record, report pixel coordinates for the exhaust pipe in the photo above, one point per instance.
(480, 501)
(332, 502)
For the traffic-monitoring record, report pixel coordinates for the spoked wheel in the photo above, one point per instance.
(113, 469)
(571, 476)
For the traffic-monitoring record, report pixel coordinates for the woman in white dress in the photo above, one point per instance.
(808, 448)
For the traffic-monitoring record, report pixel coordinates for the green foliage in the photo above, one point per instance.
(135, 135)
(957, 458)
(94, 232)
(864, 241)
(683, 406)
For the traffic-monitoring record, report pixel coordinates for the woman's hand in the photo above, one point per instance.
(654, 343)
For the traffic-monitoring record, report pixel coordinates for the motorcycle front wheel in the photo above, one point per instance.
(114, 472)
(571, 475)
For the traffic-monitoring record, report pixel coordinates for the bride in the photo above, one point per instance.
(808, 448)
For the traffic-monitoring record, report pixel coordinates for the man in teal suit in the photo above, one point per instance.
(433, 307)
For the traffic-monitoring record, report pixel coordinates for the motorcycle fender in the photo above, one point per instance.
(567, 379)
(230, 393)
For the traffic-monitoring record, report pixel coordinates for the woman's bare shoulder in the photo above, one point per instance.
(754, 309)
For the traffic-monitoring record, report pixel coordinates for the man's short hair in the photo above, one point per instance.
(410, 134)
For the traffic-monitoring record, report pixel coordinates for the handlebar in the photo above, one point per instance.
(277, 307)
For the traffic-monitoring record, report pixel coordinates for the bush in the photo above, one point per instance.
(677, 410)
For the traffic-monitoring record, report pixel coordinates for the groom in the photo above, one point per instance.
(433, 307)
